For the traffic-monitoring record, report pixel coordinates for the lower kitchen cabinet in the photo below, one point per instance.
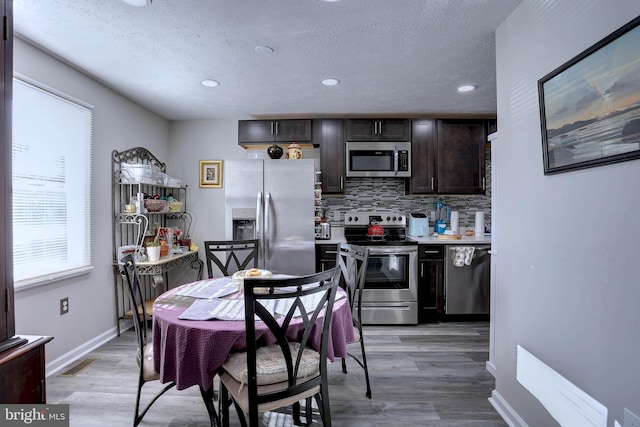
(430, 282)
(326, 255)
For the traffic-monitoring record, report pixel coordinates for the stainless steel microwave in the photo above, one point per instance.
(378, 159)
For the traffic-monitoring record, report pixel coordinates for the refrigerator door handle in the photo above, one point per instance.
(259, 213)
(259, 228)
(268, 227)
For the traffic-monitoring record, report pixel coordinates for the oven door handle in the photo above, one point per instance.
(395, 250)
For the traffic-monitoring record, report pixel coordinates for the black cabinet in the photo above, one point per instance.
(378, 130)
(423, 156)
(330, 135)
(326, 255)
(270, 131)
(448, 156)
(460, 156)
(430, 282)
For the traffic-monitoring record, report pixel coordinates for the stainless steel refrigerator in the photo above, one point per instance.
(273, 201)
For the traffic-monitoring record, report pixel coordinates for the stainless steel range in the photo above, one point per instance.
(390, 294)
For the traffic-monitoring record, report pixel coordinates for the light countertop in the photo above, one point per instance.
(337, 236)
(465, 240)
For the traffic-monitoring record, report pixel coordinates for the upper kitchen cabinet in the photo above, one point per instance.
(330, 134)
(460, 156)
(423, 156)
(378, 130)
(270, 131)
(448, 156)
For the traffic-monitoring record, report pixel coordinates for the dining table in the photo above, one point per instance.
(197, 325)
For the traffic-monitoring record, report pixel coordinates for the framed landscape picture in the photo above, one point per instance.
(590, 106)
(211, 173)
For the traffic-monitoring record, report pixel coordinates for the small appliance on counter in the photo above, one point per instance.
(325, 231)
(442, 216)
(418, 225)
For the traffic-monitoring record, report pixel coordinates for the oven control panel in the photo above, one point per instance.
(382, 218)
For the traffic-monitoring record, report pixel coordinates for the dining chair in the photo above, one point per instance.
(230, 256)
(352, 261)
(269, 377)
(147, 372)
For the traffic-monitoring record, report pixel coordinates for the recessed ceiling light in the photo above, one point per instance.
(138, 3)
(263, 50)
(330, 82)
(210, 83)
(466, 88)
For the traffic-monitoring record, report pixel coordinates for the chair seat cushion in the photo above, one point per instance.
(271, 367)
(240, 393)
(148, 372)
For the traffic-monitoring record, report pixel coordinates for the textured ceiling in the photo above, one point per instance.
(393, 57)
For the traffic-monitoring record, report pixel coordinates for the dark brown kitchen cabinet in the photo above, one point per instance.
(332, 154)
(423, 156)
(430, 282)
(326, 255)
(378, 130)
(460, 156)
(270, 131)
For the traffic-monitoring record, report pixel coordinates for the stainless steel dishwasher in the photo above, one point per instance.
(467, 287)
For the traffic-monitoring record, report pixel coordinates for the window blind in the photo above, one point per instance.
(51, 154)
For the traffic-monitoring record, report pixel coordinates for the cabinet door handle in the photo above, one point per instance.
(432, 188)
(272, 123)
(484, 182)
(421, 269)
(431, 252)
(341, 183)
(331, 252)
(277, 130)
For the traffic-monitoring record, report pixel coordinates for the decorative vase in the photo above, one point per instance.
(153, 253)
(294, 151)
(275, 151)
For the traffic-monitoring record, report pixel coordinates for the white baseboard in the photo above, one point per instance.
(491, 368)
(508, 414)
(68, 358)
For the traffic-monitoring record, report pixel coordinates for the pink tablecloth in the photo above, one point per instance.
(190, 352)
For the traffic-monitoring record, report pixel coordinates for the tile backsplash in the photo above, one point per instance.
(389, 194)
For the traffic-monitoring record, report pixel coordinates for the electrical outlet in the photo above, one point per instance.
(64, 306)
(630, 419)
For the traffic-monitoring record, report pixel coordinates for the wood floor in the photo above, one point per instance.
(430, 375)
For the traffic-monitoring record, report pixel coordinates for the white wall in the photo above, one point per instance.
(118, 124)
(568, 268)
(195, 140)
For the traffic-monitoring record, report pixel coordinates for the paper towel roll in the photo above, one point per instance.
(455, 221)
(479, 231)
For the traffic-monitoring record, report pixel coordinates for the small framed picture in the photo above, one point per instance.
(211, 173)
